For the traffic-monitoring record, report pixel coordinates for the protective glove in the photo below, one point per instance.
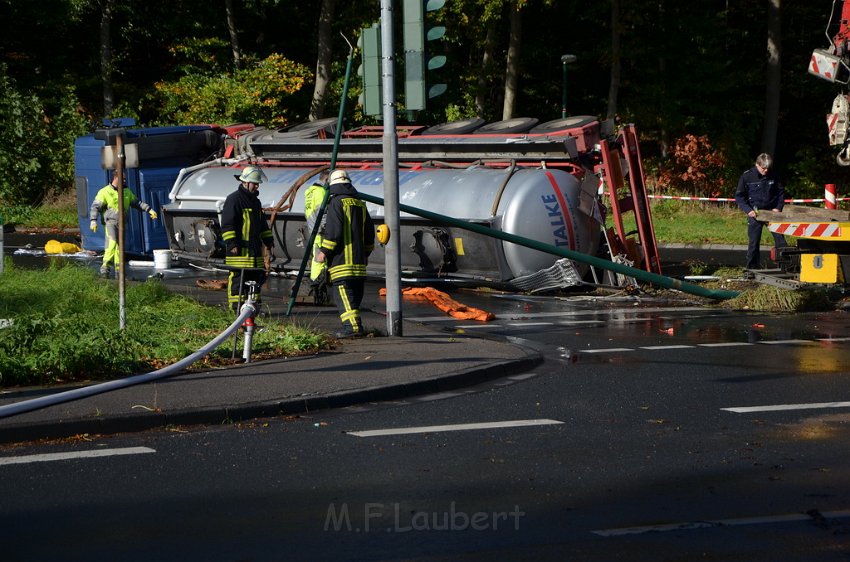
(152, 214)
(93, 226)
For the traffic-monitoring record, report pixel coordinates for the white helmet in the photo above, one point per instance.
(339, 176)
(252, 174)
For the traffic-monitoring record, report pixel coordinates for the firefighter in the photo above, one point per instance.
(348, 240)
(244, 231)
(313, 198)
(105, 206)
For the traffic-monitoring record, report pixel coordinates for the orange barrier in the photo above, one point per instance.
(445, 303)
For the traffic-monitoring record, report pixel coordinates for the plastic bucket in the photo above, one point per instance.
(162, 259)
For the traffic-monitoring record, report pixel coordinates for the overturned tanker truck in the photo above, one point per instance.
(542, 182)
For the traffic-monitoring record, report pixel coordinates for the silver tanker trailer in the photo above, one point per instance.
(541, 182)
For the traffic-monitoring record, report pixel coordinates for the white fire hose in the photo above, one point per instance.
(247, 312)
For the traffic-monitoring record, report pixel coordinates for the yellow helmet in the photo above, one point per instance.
(383, 234)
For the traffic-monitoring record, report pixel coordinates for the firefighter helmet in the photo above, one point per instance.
(339, 176)
(252, 174)
(383, 234)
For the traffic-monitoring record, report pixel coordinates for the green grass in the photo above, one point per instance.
(59, 213)
(65, 328)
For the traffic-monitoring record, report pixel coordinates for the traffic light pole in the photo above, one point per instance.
(390, 154)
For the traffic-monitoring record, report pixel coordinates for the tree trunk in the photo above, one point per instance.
(106, 57)
(773, 78)
(481, 96)
(512, 70)
(614, 87)
(323, 60)
(234, 37)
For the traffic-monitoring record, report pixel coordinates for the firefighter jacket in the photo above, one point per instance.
(349, 235)
(313, 198)
(244, 226)
(106, 204)
(756, 191)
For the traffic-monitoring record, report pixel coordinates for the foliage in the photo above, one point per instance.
(65, 327)
(38, 142)
(694, 168)
(257, 94)
(767, 298)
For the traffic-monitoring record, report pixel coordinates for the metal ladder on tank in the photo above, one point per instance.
(643, 250)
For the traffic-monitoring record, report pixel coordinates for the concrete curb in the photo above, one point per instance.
(128, 423)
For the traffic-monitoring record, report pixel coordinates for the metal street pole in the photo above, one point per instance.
(565, 60)
(119, 171)
(390, 154)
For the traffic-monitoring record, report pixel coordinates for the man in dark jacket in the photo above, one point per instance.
(348, 240)
(759, 190)
(244, 230)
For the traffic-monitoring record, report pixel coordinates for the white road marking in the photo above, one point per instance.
(524, 324)
(781, 342)
(687, 525)
(724, 344)
(662, 347)
(783, 407)
(455, 427)
(608, 350)
(50, 457)
(827, 340)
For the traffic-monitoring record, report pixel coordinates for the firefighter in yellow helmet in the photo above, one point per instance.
(348, 240)
(105, 207)
(244, 231)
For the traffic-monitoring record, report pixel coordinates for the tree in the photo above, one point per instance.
(234, 36)
(614, 88)
(512, 63)
(106, 56)
(323, 60)
(773, 77)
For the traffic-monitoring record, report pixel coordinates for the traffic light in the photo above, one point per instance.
(419, 59)
(370, 69)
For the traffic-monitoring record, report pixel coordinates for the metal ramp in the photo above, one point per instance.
(643, 250)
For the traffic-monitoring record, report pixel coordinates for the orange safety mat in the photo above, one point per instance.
(445, 303)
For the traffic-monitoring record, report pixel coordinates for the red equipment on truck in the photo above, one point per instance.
(833, 64)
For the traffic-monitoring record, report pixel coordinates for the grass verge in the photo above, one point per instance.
(61, 325)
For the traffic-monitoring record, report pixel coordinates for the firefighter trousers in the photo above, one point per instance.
(348, 294)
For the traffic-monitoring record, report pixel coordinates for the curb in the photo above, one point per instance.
(129, 423)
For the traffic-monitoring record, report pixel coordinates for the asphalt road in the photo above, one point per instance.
(628, 450)
(653, 431)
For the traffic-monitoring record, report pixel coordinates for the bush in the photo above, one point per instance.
(38, 147)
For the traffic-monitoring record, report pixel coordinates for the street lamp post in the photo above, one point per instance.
(565, 60)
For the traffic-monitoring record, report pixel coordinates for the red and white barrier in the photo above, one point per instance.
(829, 196)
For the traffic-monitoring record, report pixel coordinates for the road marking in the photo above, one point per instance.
(609, 350)
(724, 344)
(454, 427)
(827, 340)
(662, 347)
(781, 342)
(688, 525)
(526, 324)
(782, 407)
(50, 457)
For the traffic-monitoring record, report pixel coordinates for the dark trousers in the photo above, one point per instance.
(348, 294)
(233, 286)
(754, 230)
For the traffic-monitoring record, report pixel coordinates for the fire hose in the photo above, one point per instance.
(247, 313)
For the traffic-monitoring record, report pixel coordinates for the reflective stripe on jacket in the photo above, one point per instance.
(244, 226)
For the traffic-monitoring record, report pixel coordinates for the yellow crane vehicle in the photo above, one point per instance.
(822, 251)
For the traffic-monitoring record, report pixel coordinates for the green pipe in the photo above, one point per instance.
(639, 274)
(308, 251)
